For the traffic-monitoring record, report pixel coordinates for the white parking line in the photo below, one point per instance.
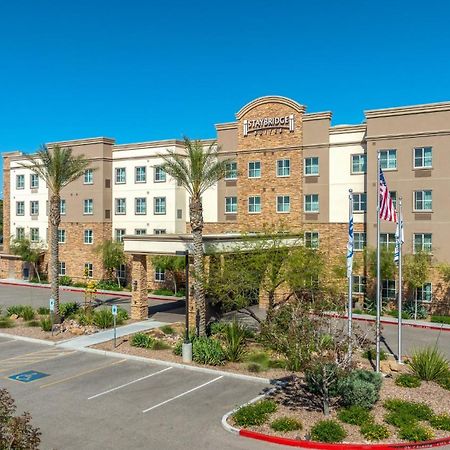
(181, 395)
(127, 384)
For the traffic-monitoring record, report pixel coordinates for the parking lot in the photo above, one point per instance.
(89, 401)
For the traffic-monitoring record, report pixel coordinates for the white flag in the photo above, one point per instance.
(350, 248)
(399, 237)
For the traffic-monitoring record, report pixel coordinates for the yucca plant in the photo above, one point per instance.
(429, 364)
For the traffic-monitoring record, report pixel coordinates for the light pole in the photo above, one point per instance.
(187, 345)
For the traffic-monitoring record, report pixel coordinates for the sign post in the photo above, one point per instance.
(114, 313)
(52, 311)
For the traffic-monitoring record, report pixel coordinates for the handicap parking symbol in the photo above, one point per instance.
(30, 375)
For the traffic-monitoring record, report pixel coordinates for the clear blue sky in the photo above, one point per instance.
(141, 70)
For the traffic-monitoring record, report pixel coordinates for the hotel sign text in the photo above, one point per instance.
(269, 125)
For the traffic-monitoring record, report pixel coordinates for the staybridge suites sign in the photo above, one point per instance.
(269, 125)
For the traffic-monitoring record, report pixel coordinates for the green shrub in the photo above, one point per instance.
(371, 354)
(207, 351)
(108, 285)
(374, 431)
(444, 381)
(355, 415)
(15, 310)
(317, 374)
(85, 318)
(260, 358)
(103, 318)
(403, 412)
(277, 364)
(328, 431)
(167, 329)
(65, 280)
(254, 367)
(69, 309)
(46, 324)
(410, 309)
(34, 323)
(399, 419)
(217, 328)
(394, 313)
(43, 311)
(440, 422)
(142, 340)
(234, 337)
(122, 315)
(360, 388)
(415, 433)
(358, 311)
(27, 313)
(159, 345)
(6, 322)
(441, 319)
(285, 424)
(408, 380)
(429, 364)
(163, 291)
(79, 284)
(254, 414)
(178, 348)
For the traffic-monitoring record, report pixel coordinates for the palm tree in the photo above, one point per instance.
(196, 170)
(57, 167)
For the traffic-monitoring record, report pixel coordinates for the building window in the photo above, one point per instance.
(119, 234)
(283, 204)
(140, 174)
(20, 233)
(121, 272)
(140, 231)
(88, 176)
(393, 195)
(140, 205)
(359, 202)
(388, 159)
(120, 175)
(61, 236)
(61, 268)
(179, 214)
(88, 206)
(34, 181)
(20, 208)
(62, 207)
(388, 289)
(121, 206)
(254, 204)
(34, 208)
(231, 171)
(387, 240)
(160, 175)
(34, 234)
(359, 240)
(230, 205)
(312, 203)
(423, 201)
(20, 181)
(424, 293)
(159, 231)
(254, 169)
(160, 275)
(311, 239)
(283, 167)
(88, 270)
(423, 158)
(422, 242)
(312, 166)
(88, 236)
(359, 164)
(359, 284)
(159, 205)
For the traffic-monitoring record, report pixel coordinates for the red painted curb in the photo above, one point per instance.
(324, 446)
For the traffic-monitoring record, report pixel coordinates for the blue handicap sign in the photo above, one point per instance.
(114, 310)
(30, 375)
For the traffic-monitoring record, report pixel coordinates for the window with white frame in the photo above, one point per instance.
(88, 236)
(160, 275)
(62, 207)
(88, 177)
(423, 158)
(388, 159)
(20, 208)
(312, 166)
(159, 231)
(422, 242)
(254, 204)
(34, 181)
(424, 293)
(20, 181)
(160, 175)
(140, 205)
(140, 231)
(423, 201)
(359, 284)
(20, 233)
(119, 233)
(120, 175)
(311, 239)
(121, 206)
(312, 203)
(88, 269)
(283, 167)
(283, 203)
(88, 206)
(254, 169)
(388, 289)
(359, 163)
(159, 205)
(231, 171)
(230, 205)
(359, 240)
(359, 202)
(61, 268)
(34, 234)
(121, 272)
(140, 174)
(61, 236)
(387, 240)
(34, 208)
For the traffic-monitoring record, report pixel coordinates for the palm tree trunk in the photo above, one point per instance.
(196, 220)
(55, 219)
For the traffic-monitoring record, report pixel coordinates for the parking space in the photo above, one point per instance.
(90, 401)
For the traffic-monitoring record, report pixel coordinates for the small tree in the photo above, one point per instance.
(113, 256)
(416, 269)
(171, 264)
(387, 263)
(29, 252)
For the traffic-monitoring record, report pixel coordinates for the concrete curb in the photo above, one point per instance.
(29, 339)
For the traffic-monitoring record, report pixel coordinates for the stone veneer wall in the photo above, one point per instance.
(6, 203)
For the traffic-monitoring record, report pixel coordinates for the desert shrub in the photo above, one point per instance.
(371, 354)
(358, 311)
(217, 328)
(254, 367)
(163, 291)
(260, 358)
(122, 315)
(394, 313)
(27, 313)
(328, 431)
(159, 345)
(415, 433)
(46, 324)
(34, 323)
(103, 318)
(15, 310)
(285, 424)
(167, 329)
(360, 388)
(408, 380)
(444, 380)
(43, 311)
(109, 285)
(254, 414)
(85, 318)
(234, 336)
(178, 348)
(6, 322)
(355, 415)
(141, 340)
(440, 422)
(65, 280)
(69, 309)
(410, 308)
(374, 431)
(429, 364)
(441, 319)
(277, 364)
(208, 351)
(403, 412)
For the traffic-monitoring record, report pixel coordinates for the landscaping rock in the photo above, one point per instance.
(14, 316)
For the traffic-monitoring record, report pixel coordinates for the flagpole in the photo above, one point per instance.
(350, 272)
(400, 280)
(378, 318)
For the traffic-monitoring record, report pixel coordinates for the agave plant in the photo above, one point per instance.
(429, 364)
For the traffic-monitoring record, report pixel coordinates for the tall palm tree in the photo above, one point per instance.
(57, 167)
(196, 170)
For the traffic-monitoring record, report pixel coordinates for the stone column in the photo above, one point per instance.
(139, 292)
(6, 204)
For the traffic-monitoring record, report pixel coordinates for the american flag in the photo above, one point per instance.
(387, 210)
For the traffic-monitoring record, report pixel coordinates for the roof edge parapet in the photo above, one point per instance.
(404, 110)
(270, 99)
